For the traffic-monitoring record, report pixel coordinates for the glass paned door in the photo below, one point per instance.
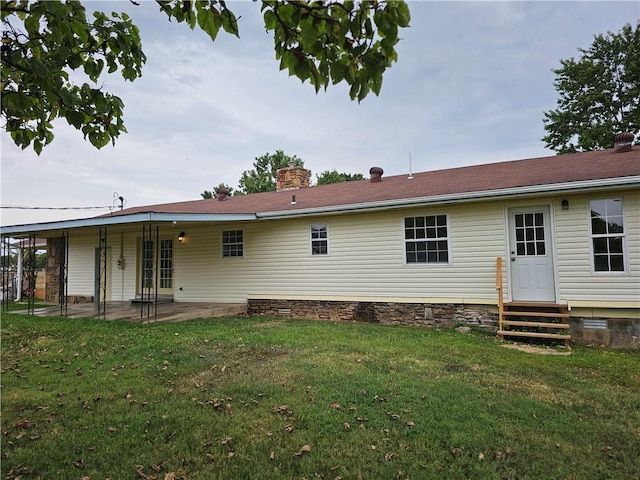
(166, 264)
(163, 269)
(531, 261)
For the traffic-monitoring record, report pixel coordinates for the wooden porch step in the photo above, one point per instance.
(527, 313)
(533, 334)
(516, 304)
(518, 323)
(517, 313)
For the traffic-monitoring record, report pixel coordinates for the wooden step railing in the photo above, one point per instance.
(527, 315)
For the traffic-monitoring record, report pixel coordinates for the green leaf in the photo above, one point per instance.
(209, 21)
(270, 19)
(75, 118)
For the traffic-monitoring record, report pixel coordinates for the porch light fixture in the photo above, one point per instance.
(565, 204)
(182, 237)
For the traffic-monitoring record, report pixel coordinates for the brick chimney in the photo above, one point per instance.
(292, 178)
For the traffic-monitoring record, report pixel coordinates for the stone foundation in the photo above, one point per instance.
(386, 313)
(614, 333)
(52, 270)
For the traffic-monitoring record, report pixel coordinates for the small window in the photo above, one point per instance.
(319, 240)
(530, 234)
(426, 239)
(232, 243)
(607, 235)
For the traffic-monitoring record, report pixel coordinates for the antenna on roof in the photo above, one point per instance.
(119, 201)
(410, 170)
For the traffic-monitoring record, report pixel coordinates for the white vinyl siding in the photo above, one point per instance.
(576, 279)
(367, 259)
(123, 279)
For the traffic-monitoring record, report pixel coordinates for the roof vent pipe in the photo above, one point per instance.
(622, 142)
(376, 174)
(222, 194)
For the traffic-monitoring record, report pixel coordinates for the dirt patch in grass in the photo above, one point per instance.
(538, 350)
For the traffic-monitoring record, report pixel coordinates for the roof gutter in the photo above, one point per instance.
(124, 220)
(567, 187)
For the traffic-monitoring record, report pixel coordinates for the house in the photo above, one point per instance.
(416, 249)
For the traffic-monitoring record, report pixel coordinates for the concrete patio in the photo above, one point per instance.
(146, 313)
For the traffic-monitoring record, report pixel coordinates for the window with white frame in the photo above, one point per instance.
(232, 243)
(319, 239)
(607, 235)
(426, 239)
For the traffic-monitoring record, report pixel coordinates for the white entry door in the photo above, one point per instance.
(156, 267)
(531, 255)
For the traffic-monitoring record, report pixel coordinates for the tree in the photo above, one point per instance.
(332, 176)
(44, 41)
(262, 178)
(214, 192)
(599, 94)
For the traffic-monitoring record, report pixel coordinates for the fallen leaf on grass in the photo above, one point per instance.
(79, 464)
(411, 424)
(141, 474)
(303, 450)
(272, 456)
(346, 426)
(481, 456)
(280, 409)
(388, 456)
(335, 405)
(231, 454)
(24, 423)
(170, 476)
(288, 428)
(226, 440)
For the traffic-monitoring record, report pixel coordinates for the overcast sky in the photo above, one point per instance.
(471, 85)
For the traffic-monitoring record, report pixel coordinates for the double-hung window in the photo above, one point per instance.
(607, 235)
(319, 240)
(232, 243)
(426, 239)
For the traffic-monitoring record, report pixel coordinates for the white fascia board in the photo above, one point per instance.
(556, 188)
(123, 220)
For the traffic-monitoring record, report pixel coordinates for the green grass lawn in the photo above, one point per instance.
(267, 398)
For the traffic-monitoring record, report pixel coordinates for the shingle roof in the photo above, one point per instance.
(577, 167)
